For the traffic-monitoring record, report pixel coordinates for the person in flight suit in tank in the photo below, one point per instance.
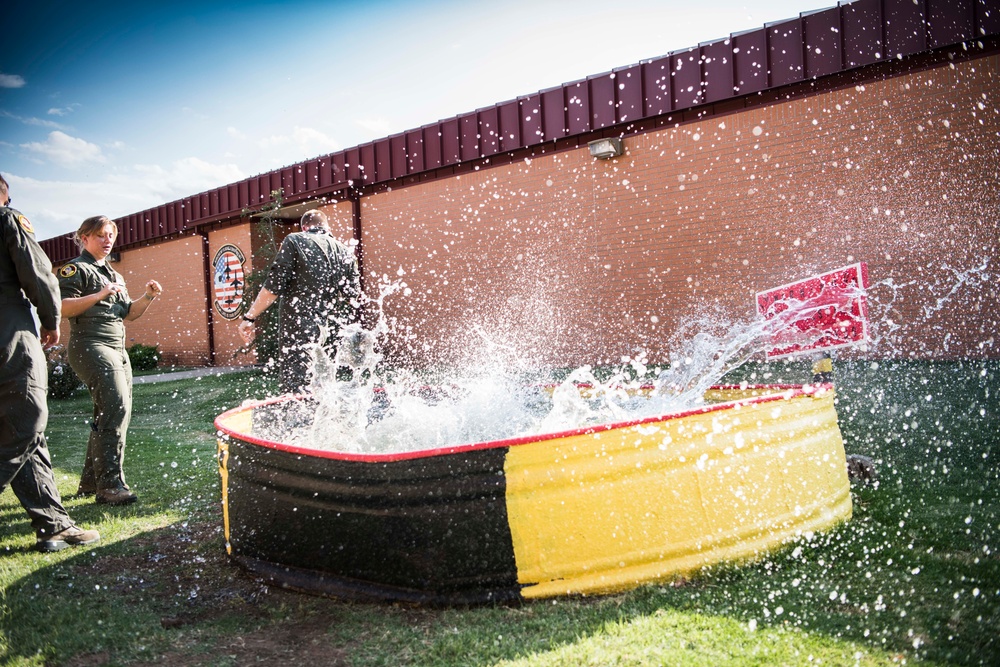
(317, 278)
(97, 304)
(26, 278)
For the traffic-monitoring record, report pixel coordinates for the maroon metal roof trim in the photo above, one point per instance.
(811, 46)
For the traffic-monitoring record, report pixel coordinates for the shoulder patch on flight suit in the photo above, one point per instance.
(25, 224)
(67, 271)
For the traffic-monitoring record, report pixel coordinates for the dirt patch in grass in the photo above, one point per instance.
(304, 642)
(183, 574)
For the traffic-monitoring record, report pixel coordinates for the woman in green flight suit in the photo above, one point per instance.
(96, 303)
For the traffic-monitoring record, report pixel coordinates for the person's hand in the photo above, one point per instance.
(246, 331)
(109, 289)
(153, 289)
(50, 337)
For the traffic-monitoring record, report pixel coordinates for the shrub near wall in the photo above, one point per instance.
(63, 381)
(144, 357)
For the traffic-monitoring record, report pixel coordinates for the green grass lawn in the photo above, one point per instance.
(914, 578)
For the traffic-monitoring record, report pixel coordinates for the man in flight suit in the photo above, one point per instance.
(318, 281)
(26, 278)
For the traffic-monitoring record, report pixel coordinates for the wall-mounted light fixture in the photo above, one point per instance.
(114, 257)
(604, 149)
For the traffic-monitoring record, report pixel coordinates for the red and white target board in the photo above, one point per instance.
(821, 312)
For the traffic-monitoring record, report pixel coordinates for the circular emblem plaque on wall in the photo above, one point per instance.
(229, 281)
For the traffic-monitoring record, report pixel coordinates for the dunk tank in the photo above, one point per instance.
(590, 510)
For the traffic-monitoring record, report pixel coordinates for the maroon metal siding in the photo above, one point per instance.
(288, 186)
(532, 129)
(509, 119)
(628, 85)
(578, 108)
(414, 147)
(489, 139)
(553, 114)
(133, 228)
(63, 247)
(949, 22)
(823, 52)
(338, 169)
(383, 160)
(750, 56)
(253, 192)
(602, 97)
(813, 45)
(717, 70)
(324, 175)
(367, 167)
(432, 146)
(862, 21)
(170, 220)
(656, 82)
(469, 131)
(352, 165)
(298, 185)
(686, 73)
(398, 155)
(905, 32)
(152, 226)
(451, 144)
(222, 203)
(987, 18)
(786, 52)
(275, 180)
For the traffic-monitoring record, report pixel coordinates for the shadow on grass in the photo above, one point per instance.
(127, 600)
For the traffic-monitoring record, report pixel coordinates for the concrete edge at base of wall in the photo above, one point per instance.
(190, 373)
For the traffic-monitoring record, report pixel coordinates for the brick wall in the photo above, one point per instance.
(578, 260)
(562, 259)
(176, 321)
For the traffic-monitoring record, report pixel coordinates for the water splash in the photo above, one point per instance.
(951, 284)
(358, 407)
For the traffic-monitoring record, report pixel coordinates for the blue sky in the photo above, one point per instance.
(115, 107)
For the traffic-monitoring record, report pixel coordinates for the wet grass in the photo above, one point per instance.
(914, 577)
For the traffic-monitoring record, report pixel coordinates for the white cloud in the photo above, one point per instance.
(64, 111)
(313, 142)
(52, 206)
(301, 144)
(302, 137)
(377, 126)
(236, 134)
(58, 207)
(183, 178)
(29, 120)
(66, 151)
(11, 81)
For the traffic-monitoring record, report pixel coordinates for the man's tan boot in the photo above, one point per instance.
(74, 536)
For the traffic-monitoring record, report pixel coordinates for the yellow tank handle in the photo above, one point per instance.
(822, 369)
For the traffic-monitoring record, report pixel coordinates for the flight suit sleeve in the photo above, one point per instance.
(71, 281)
(34, 270)
(352, 277)
(282, 272)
